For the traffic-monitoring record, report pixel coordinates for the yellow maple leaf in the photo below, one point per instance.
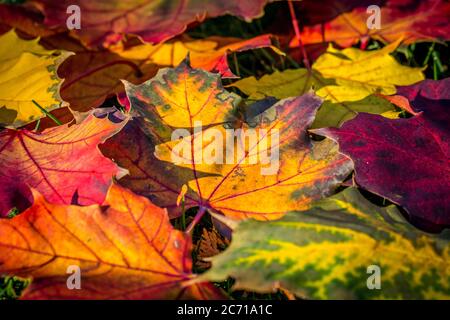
(359, 73)
(27, 72)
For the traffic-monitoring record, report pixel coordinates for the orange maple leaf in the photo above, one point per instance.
(125, 249)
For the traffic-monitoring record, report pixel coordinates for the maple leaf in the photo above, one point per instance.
(62, 163)
(325, 252)
(410, 20)
(126, 248)
(346, 79)
(403, 160)
(28, 72)
(153, 20)
(178, 98)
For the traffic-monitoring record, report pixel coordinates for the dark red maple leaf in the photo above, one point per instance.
(403, 160)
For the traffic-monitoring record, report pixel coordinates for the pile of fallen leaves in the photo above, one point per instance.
(87, 177)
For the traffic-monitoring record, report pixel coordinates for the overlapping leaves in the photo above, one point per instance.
(62, 163)
(63, 202)
(404, 160)
(125, 249)
(188, 98)
(347, 79)
(93, 75)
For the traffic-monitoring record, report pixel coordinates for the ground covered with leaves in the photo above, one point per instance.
(113, 163)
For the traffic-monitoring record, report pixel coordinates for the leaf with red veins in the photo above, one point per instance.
(62, 163)
(104, 22)
(403, 160)
(124, 249)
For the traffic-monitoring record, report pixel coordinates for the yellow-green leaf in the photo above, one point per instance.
(325, 252)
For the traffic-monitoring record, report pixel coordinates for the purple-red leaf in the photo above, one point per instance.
(403, 160)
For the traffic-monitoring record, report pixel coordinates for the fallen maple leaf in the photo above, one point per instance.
(62, 163)
(346, 79)
(27, 72)
(154, 21)
(181, 97)
(326, 253)
(173, 98)
(403, 160)
(125, 249)
(360, 73)
(410, 20)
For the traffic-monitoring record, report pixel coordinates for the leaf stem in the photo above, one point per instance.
(48, 114)
(38, 123)
(430, 51)
(201, 212)
(236, 64)
(297, 34)
(183, 214)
